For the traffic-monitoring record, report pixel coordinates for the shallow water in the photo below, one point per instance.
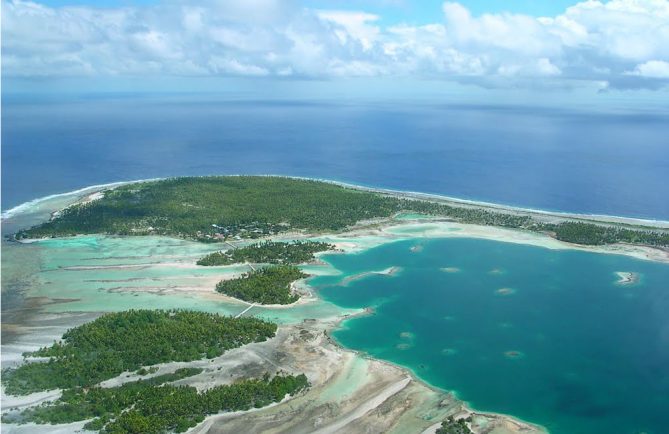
(103, 274)
(544, 335)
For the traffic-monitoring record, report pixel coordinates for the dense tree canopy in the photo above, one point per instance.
(248, 207)
(153, 407)
(591, 234)
(215, 208)
(126, 341)
(452, 426)
(268, 252)
(269, 285)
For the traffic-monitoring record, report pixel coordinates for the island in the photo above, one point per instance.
(127, 341)
(268, 252)
(126, 372)
(271, 285)
(217, 208)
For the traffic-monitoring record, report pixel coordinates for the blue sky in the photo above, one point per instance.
(427, 11)
(392, 11)
(530, 44)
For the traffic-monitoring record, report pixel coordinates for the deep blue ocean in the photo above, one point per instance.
(548, 158)
(545, 335)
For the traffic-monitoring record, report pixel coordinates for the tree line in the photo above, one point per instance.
(211, 209)
(127, 341)
(268, 252)
(270, 285)
(452, 426)
(154, 406)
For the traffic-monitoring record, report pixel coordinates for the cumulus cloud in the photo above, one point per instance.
(652, 69)
(618, 41)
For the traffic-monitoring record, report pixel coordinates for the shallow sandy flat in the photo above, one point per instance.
(350, 393)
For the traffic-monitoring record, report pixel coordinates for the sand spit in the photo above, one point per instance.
(361, 238)
(350, 393)
(627, 278)
(383, 227)
(390, 271)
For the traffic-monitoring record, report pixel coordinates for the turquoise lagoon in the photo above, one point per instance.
(546, 335)
(106, 274)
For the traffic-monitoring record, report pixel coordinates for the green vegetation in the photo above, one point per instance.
(268, 252)
(269, 285)
(591, 234)
(148, 407)
(211, 209)
(145, 371)
(451, 426)
(127, 341)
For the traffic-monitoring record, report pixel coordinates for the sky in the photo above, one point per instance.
(390, 11)
(615, 45)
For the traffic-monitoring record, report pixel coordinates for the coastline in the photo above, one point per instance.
(601, 218)
(26, 206)
(473, 230)
(466, 409)
(388, 230)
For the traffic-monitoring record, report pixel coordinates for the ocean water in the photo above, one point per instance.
(561, 345)
(544, 335)
(612, 163)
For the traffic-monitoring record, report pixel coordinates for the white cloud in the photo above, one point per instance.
(614, 42)
(354, 25)
(652, 69)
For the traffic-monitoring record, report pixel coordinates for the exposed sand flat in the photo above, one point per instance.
(365, 408)
(627, 277)
(486, 423)
(362, 238)
(33, 428)
(25, 401)
(390, 271)
(349, 393)
(41, 332)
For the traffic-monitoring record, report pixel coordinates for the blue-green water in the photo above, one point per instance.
(587, 355)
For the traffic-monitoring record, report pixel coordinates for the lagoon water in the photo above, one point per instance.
(545, 335)
(606, 162)
(108, 274)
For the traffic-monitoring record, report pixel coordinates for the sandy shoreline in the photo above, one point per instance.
(467, 230)
(344, 382)
(350, 392)
(600, 218)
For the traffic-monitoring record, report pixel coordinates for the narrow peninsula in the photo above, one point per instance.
(219, 208)
(249, 239)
